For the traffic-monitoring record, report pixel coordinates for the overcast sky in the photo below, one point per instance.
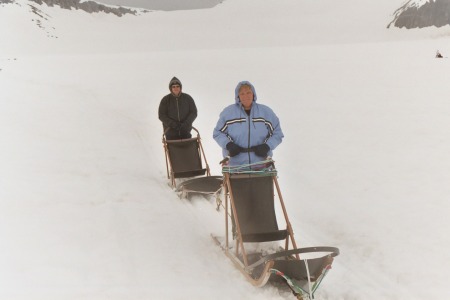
(164, 4)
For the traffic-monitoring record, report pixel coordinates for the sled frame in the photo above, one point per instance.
(191, 149)
(267, 265)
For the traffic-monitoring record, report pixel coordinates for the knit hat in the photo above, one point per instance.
(174, 81)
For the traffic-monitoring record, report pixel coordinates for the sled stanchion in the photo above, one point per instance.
(167, 162)
(165, 153)
(226, 213)
(288, 223)
(208, 173)
(237, 228)
(169, 167)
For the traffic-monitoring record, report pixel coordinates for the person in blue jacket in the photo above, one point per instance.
(247, 131)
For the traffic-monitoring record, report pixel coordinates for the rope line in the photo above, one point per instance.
(262, 168)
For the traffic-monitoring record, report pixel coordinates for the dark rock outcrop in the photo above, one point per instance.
(434, 13)
(88, 6)
(43, 20)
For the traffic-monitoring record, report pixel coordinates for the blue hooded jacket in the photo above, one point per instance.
(234, 125)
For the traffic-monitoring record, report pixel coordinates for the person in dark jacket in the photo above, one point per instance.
(177, 112)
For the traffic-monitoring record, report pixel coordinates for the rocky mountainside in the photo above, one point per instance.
(422, 13)
(41, 16)
(87, 6)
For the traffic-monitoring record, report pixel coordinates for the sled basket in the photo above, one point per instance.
(210, 185)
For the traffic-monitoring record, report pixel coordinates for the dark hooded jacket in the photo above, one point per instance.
(177, 112)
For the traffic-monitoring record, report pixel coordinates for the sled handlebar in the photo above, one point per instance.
(168, 128)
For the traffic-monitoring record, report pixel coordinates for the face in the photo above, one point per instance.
(176, 89)
(246, 96)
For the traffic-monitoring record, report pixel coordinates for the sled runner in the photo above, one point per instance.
(184, 159)
(250, 192)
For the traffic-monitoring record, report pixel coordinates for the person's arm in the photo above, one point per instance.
(192, 111)
(220, 134)
(277, 133)
(162, 113)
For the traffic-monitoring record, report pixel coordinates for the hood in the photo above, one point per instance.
(236, 91)
(174, 81)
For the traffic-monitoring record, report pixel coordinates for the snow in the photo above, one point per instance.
(418, 3)
(85, 207)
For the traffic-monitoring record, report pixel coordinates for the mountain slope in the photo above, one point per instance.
(422, 13)
(297, 24)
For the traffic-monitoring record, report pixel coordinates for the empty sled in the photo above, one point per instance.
(250, 205)
(186, 158)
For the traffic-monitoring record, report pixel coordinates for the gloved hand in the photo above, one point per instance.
(185, 126)
(261, 150)
(233, 149)
(175, 125)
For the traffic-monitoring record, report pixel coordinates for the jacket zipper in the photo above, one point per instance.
(178, 113)
(178, 110)
(248, 142)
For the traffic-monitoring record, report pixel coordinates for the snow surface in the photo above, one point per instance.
(85, 207)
